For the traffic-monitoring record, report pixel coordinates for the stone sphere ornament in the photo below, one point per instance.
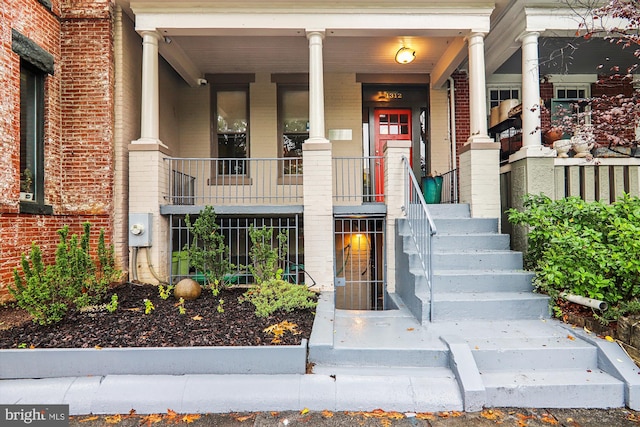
(188, 289)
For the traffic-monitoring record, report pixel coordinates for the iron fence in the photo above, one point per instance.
(358, 179)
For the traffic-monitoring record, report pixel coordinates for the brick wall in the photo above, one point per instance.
(78, 130)
(463, 117)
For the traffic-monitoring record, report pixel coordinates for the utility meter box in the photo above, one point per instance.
(140, 229)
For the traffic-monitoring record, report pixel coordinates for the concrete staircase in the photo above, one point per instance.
(491, 342)
(476, 275)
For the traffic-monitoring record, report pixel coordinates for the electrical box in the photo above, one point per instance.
(140, 229)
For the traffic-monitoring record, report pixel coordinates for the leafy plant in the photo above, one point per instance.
(584, 248)
(266, 257)
(180, 306)
(208, 252)
(165, 292)
(220, 308)
(279, 295)
(75, 279)
(112, 305)
(148, 306)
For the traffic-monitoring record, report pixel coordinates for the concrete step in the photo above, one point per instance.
(466, 225)
(489, 306)
(531, 353)
(561, 388)
(482, 281)
(380, 357)
(446, 210)
(443, 242)
(405, 389)
(477, 260)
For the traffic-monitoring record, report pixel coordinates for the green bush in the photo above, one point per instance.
(208, 252)
(277, 294)
(585, 248)
(75, 279)
(265, 258)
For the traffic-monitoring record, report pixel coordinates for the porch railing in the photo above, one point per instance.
(603, 179)
(358, 180)
(421, 225)
(235, 181)
(449, 192)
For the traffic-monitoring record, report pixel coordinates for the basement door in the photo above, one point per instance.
(389, 124)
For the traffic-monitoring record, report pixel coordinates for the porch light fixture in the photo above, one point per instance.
(405, 55)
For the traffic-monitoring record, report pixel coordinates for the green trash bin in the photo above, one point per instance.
(180, 263)
(432, 189)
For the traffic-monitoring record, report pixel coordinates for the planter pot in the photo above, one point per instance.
(432, 189)
(562, 146)
(75, 362)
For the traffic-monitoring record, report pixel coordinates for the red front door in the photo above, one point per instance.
(390, 124)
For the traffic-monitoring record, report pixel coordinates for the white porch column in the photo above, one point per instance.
(316, 87)
(530, 90)
(150, 104)
(477, 90)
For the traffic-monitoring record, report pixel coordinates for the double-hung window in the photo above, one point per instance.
(293, 119)
(231, 141)
(31, 136)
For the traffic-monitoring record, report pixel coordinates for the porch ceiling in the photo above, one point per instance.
(360, 36)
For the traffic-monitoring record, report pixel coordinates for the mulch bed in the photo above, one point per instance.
(129, 326)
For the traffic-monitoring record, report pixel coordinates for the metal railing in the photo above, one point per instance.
(235, 181)
(449, 192)
(421, 225)
(358, 179)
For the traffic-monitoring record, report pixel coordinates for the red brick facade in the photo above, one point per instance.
(78, 129)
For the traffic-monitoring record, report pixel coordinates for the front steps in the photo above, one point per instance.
(491, 342)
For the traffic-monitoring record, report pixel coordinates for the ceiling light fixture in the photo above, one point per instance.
(405, 55)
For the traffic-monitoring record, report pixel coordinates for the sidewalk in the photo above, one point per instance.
(618, 417)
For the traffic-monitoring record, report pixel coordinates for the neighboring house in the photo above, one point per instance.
(294, 114)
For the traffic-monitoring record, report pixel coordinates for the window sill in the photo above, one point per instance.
(230, 180)
(35, 208)
(290, 180)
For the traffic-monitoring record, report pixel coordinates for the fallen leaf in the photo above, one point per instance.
(443, 415)
(456, 414)
(244, 418)
(150, 419)
(549, 419)
(327, 414)
(97, 347)
(274, 413)
(189, 418)
(425, 416)
(410, 329)
(84, 420)
(491, 414)
(477, 348)
(171, 415)
(572, 338)
(304, 411)
(587, 330)
(197, 317)
(385, 422)
(608, 338)
(113, 419)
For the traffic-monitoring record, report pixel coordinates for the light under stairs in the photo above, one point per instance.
(491, 341)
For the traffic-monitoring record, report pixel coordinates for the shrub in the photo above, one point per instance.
(585, 248)
(208, 252)
(265, 258)
(75, 279)
(277, 294)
